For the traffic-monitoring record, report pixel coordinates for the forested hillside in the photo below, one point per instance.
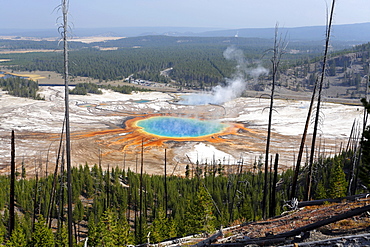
(120, 207)
(346, 73)
(198, 63)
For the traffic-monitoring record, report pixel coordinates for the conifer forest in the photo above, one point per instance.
(118, 207)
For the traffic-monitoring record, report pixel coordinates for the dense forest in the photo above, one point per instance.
(117, 207)
(9, 45)
(198, 63)
(20, 87)
(195, 60)
(189, 65)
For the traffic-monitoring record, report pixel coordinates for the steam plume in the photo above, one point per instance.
(234, 86)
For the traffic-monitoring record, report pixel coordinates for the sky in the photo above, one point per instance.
(220, 14)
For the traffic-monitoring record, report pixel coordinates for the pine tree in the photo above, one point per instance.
(42, 236)
(62, 237)
(109, 232)
(78, 213)
(2, 231)
(337, 180)
(200, 217)
(162, 228)
(18, 238)
(320, 191)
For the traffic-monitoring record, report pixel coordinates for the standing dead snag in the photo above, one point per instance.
(312, 154)
(165, 183)
(64, 27)
(141, 191)
(278, 51)
(273, 191)
(303, 141)
(12, 186)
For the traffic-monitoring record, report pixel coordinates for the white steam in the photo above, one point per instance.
(234, 86)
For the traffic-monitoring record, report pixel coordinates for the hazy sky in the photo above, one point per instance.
(40, 14)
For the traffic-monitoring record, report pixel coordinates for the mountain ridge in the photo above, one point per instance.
(345, 32)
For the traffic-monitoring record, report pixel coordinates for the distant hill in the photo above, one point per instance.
(351, 32)
(357, 33)
(37, 33)
(109, 31)
(250, 45)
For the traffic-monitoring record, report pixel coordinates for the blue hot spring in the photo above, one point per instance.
(177, 127)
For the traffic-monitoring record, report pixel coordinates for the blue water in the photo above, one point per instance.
(142, 101)
(180, 127)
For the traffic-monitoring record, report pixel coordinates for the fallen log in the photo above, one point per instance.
(322, 201)
(279, 238)
(209, 240)
(321, 223)
(356, 240)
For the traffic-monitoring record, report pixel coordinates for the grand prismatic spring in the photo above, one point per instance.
(156, 130)
(115, 129)
(177, 127)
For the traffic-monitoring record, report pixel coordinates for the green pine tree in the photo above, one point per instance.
(2, 231)
(42, 236)
(109, 232)
(337, 181)
(162, 228)
(320, 191)
(18, 238)
(62, 237)
(200, 217)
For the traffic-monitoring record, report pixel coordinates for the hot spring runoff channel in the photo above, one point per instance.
(177, 127)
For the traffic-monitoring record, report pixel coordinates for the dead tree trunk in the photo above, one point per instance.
(165, 183)
(309, 176)
(61, 193)
(107, 187)
(65, 5)
(12, 186)
(141, 191)
(53, 190)
(278, 51)
(273, 192)
(35, 199)
(364, 124)
(303, 141)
